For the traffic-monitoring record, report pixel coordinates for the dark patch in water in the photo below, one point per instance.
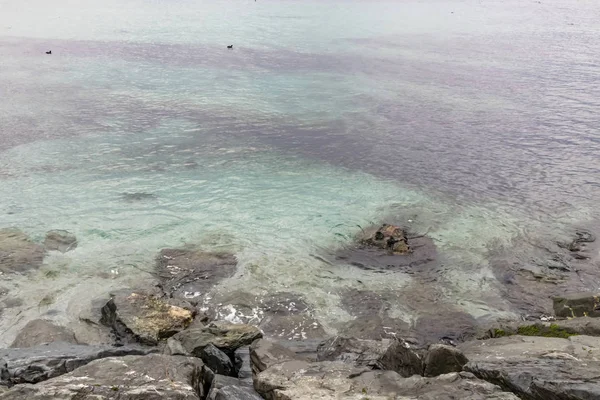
(138, 196)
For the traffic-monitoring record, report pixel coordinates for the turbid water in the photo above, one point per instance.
(475, 122)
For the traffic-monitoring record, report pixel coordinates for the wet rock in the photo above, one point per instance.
(448, 327)
(18, 253)
(125, 378)
(137, 196)
(402, 357)
(360, 353)
(303, 349)
(301, 380)
(243, 364)
(443, 359)
(265, 353)
(390, 238)
(557, 328)
(216, 360)
(173, 347)
(538, 368)
(189, 274)
(144, 315)
(230, 388)
(60, 240)
(39, 363)
(41, 331)
(226, 337)
(577, 305)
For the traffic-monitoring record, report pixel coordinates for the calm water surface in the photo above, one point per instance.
(475, 121)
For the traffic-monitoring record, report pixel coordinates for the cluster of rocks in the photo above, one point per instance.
(165, 344)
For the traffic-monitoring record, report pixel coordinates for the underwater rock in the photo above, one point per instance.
(189, 274)
(40, 331)
(18, 253)
(577, 305)
(154, 376)
(137, 196)
(60, 240)
(144, 315)
(450, 327)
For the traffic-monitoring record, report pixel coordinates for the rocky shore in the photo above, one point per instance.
(166, 342)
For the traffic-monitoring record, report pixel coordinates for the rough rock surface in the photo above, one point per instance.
(243, 364)
(40, 331)
(17, 252)
(403, 358)
(558, 328)
(390, 238)
(144, 315)
(216, 360)
(36, 364)
(151, 377)
(577, 305)
(538, 368)
(265, 353)
(230, 388)
(189, 273)
(442, 359)
(300, 380)
(226, 337)
(173, 347)
(60, 240)
(360, 353)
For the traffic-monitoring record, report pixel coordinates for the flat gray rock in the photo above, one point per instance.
(39, 363)
(538, 368)
(40, 331)
(151, 377)
(265, 353)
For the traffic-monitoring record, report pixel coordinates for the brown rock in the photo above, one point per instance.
(265, 353)
(17, 252)
(41, 331)
(577, 305)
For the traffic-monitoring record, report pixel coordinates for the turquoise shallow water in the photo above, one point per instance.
(475, 122)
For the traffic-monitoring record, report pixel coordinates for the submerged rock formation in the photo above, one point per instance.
(60, 240)
(18, 253)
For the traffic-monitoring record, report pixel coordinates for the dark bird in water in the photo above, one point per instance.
(230, 46)
(49, 52)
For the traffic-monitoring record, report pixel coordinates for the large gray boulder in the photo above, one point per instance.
(40, 331)
(60, 240)
(265, 353)
(230, 388)
(18, 253)
(300, 380)
(538, 368)
(443, 359)
(577, 305)
(360, 353)
(224, 336)
(151, 377)
(39, 363)
(217, 361)
(189, 274)
(403, 358)
(144, 315)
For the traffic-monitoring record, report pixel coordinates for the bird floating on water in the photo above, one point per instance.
(230, 46)
(49, 52)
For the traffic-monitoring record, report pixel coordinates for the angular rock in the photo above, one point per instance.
(173, 347)
(150, 377)
(60, 240)
(40, 331)
(216, 360)
(17, 252)
(403, 358)
(226, 337)
(577, 305)
(360, 353)
(301, 380)
(243, 364)
(234, 392)
(391, 238)
(143, 315)
(189, 274)
(538, 368)
(265, 353)
(230, 388)
(39, 363)
(443, 359)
